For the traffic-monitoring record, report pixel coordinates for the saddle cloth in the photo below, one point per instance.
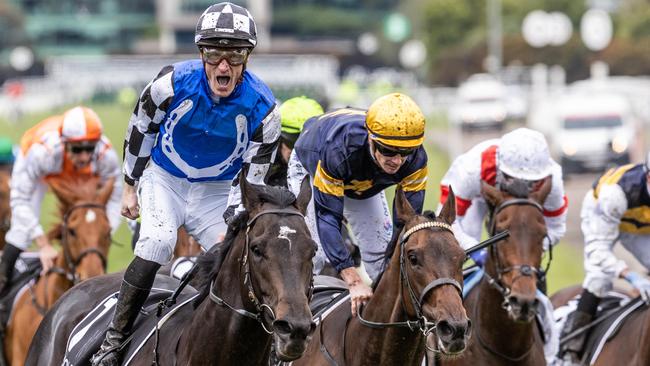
(26, 271)
(620, 309)
(327, 293)
(87, 336)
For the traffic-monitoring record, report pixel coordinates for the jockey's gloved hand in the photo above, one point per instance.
(479, 257)
(640, 283)
(232, 212)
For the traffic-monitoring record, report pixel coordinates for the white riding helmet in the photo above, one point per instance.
(523, 154)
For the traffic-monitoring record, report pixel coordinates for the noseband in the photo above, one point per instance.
(421, 323)
(70, 272)
(260, 307)
(525, 270)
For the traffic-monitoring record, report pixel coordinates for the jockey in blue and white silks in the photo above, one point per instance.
(196, 125)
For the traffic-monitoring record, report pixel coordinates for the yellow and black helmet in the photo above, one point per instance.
(395, 120)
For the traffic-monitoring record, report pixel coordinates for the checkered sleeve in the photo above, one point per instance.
(149, 112)
(261, 152)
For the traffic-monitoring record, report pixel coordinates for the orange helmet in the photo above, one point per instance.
(81, 124)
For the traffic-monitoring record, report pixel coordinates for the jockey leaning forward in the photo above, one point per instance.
(617, 208)
(352, 155)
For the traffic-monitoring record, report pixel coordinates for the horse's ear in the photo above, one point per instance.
(540, 195)
(55, 233)
(491, 194)
(104, 193)
(64, 194)
(249, 196)
(404, 209)
(302, 201)
(448, 212)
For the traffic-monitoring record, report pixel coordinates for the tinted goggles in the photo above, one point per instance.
(78, 149)
(234, 56)
(389, 152)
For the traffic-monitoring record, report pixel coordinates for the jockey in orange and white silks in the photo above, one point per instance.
(519, 160)
(71, 144)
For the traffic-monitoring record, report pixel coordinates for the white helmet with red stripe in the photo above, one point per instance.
(81, 124)
(523, 154)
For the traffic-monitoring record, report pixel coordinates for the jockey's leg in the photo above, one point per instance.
(136, 285)
(584, 314)
(372, 226)
(10, 254)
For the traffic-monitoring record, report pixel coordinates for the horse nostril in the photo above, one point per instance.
(282, 327)
(444, 329)
(312, 327)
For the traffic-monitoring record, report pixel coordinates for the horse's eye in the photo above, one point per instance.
(413, 259)
(71, 232)
(256, 251)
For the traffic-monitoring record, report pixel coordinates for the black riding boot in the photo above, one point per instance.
(584, 314)
(136, 286)
(10, 255)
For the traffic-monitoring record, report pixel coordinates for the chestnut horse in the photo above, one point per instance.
(85, 237)
(258, 297)
(503, 305)
(5, 210)
(630, 345)
(419, 293)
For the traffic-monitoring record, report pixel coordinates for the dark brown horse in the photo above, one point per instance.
(503, 305)
(259, 296)
(630, 345)
(419, 293)
(85, 236)
(5, 210)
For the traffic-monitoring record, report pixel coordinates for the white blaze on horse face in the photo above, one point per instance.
(284, 231)
(90, 216)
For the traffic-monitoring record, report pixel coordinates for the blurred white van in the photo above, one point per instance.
(480, 103)
(591, 131)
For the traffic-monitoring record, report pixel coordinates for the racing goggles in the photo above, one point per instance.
(78, 149)
(234, 56)
(389, 152)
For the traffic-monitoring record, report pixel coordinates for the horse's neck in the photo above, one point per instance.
(216, 334)
(388, 346)
(52, 286)
(497, 330)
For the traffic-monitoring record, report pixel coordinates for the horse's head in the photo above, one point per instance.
(280, 252)
(430, 263)
(85, 232)
(5, 210)
(515, 262)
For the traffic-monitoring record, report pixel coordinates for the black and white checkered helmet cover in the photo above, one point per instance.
(226, 21)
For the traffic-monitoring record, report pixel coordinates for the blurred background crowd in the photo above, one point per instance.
(579, 71)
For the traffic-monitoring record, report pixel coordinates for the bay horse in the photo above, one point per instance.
(418, 294)
(259, 297)
(630, 345)
(5, 209)
(503, 305)
(85, 236)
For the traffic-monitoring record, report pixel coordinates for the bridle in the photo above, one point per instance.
(70, 272)
(261, 308)
(525, 270)
(421, 323)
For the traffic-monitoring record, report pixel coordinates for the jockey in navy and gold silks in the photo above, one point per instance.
(351, 156)
(617, 208)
